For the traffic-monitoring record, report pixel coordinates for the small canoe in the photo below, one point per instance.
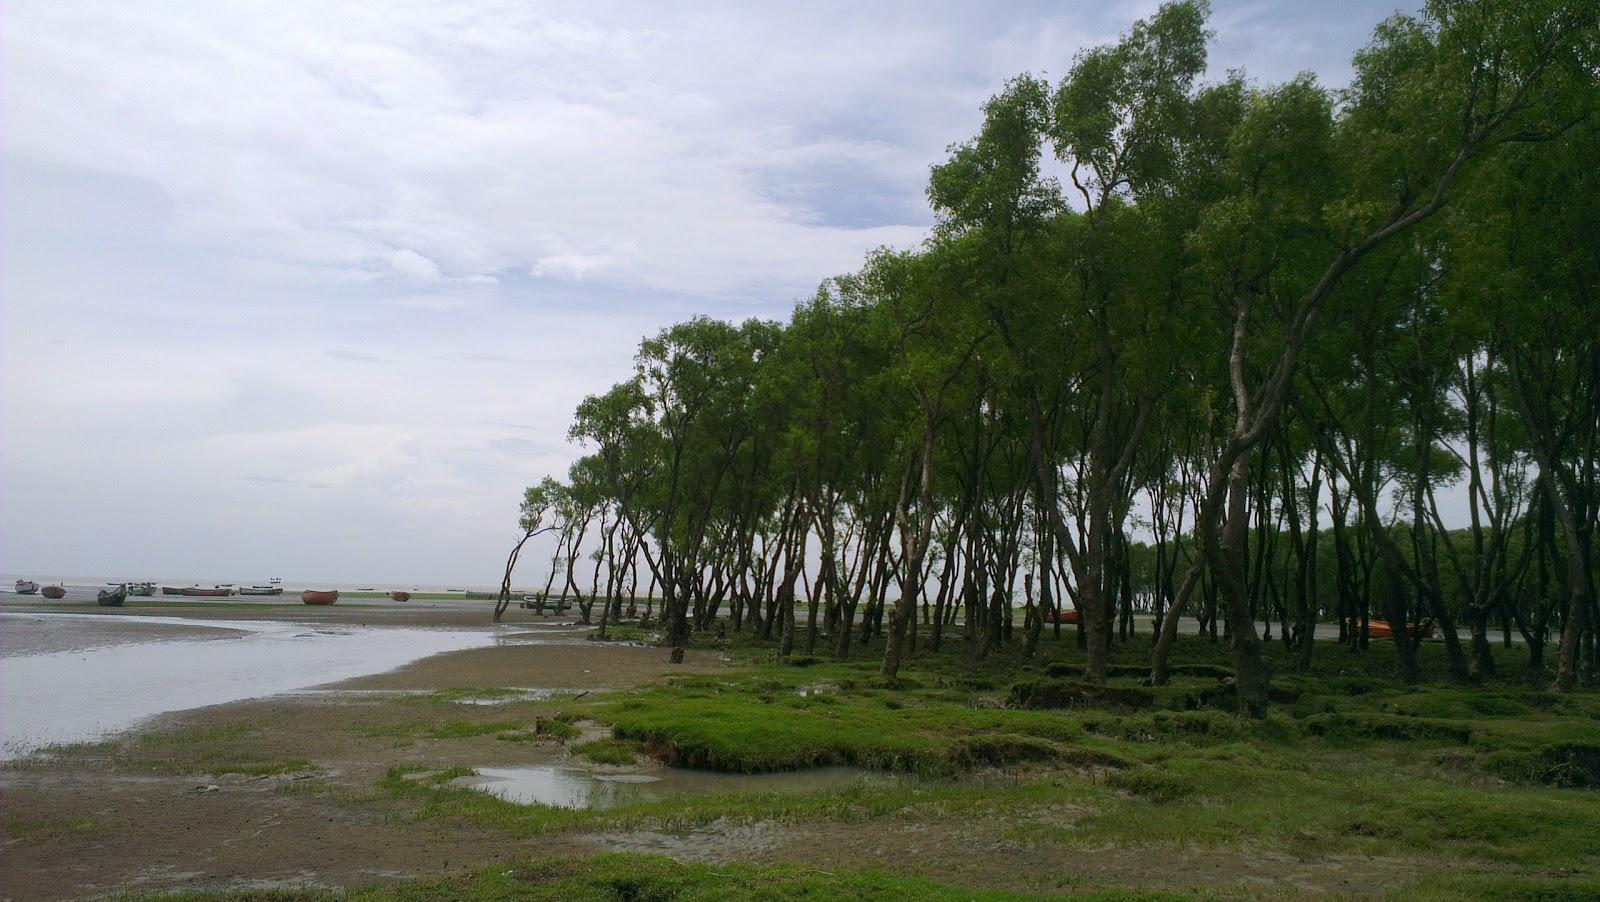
(312, 596)
(53, 592)
(26, 587)
(400, 596)
(214, 592)
(112, 599)
(141, 589)
(1067, 615)
(260, 590)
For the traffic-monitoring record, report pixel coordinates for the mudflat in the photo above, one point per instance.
(272, 792)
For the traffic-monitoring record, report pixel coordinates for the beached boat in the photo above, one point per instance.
(141, 589)
(171, 590)
(113, 598)
(312, 596)
(53, 592)
(260, 590)
(213, 592)
(1067, 615)
(26, 587)
(400, 596)
(1383, 629)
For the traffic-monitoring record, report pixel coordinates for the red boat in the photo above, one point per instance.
(196, 592)
(400, 596)
(53, 592)
(311, 596)
(1382, 629)
(1068, 615)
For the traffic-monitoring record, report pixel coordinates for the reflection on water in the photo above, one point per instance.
(99, 688)
(562, 787)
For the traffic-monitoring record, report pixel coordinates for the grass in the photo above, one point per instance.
(605, 878)
(1489, 790)
(42, 831)
(608, 751)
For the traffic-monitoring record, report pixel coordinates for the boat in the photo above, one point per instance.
(1383, 629)
(143, 590)
(1060, 615)
(171, 590)
(400, 596)
(260, 590)
(213, 592)
(113, 598)
(53, 592)
(26, 587)
(313, 596)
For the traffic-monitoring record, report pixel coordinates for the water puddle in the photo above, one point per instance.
(562, 787)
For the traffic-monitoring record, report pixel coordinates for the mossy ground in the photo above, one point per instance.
(1484, 791)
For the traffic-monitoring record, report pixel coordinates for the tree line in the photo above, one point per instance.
(1278, 332)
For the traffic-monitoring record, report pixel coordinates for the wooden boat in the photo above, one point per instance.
(400, 596)
(143, 590)
(53, 592)
(1383, 629)
(113, 598)
(213, 592)
(26, 587)
(171, 590)
(312, 596)
(1062, 615)
(260, 590)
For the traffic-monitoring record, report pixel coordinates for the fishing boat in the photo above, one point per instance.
(55, 592)
(113, 598)
(171, 590)
(312, 596)
(400, 596)
(1067, 615)
(260, 590)
(213, 592)
(143, 590)
(26, 587)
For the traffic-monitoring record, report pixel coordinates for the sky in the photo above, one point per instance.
(311, 290)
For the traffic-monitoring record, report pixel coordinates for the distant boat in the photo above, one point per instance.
(26, 587)
(171, 590)
(141, 589)
(197, 592)
(400, 596)
(53, 592)
(1068, 615)
(312, 596)
(112, 599)
(260, 590)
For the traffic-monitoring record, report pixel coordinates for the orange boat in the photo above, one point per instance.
(1382, 629)
(53, 592)
(400, 596)
(1068, 615)
(312, 596)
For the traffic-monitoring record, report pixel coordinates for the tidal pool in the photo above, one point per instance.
(562, 787)
(129, 669)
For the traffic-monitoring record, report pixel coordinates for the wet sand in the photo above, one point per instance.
(47, 633)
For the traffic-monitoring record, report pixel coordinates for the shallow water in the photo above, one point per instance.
(116, 671)
(562, 787)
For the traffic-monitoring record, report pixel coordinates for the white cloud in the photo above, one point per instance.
(203, 199)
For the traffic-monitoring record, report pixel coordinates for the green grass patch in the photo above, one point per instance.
(607, 751)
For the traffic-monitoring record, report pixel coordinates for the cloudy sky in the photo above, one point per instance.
(310, 290)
